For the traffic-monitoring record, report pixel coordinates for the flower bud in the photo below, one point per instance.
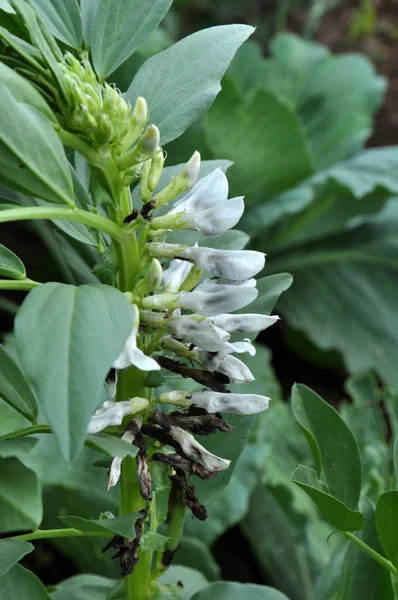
(131, 354)
(176, 274)
(156, 169)
(182, 182)
(155, 275)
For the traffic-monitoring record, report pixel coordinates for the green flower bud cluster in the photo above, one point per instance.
(96, 111)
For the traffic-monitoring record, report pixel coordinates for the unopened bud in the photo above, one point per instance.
(145, 149)
(156, 169)
(182, 182)
(145, 192)
(155, 275)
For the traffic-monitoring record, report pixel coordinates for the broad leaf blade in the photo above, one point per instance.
(83, 587)
(180, 83)
(20, 497)
(120, 27)
(262, 136)
(20, 583)
(14, 387)
(363, 577)
(331, 442)
(44, 172)
(336, 512)
(63, 19)
(10, 265)
(123, 526)
(68, 338)
(226, 590)
(11, 552)
(191, 579)
(111, 445)
(386, 515)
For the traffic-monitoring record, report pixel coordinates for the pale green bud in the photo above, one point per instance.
(182, 182)
(165, 250)
(156, 169)
(155, 275)
(145, 193)
(136, 123)
(145, 149)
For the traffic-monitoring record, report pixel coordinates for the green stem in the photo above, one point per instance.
(41, 534)
(19, 284)
(76, 143)
(128, 256)
(137, 585)
(372, 553)
(27, 431)
(99, 222)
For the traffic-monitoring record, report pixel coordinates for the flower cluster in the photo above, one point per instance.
(185, 321)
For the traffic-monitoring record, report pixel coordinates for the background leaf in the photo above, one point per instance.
(120, 27)
(63, 19)
(386, 516)
(14, 387)
(68, 338)
(192, 580)
(180, 83)
(123, 526)
(19, 583)
(225, 590)
(20, 497)
(83, 587)
(11, 552)
(332, 443)
(10, 265)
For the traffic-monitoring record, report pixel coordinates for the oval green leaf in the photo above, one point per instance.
(11, 552)
(68, 338)
(386, 515)
(225, 590)
(332, 443)
(119, 28)
(335, 511)
(10, 265)
(111, 445)
(63, 19)
(20, 497)
(84, 587)
(15, 388)
(20, 583)
(123, 526)
(176, 99)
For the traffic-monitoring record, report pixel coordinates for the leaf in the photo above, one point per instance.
(14, 387)
(123, 526)
(83, 587)
(334, 96)
(20, 497)
(363, 577)
(11, 552)
(63, 20)
(271, 538)
(332, 443)
(354, 275)
(17, 446)
(87, 9)
(153, 541)
(269, 290)
(43, 173)
(10, 265)
(111, 445)
(68, 338)
(20, 583)
(195, 554)
(386, 516)
(180, 83)
(191, 579)
(225, 590)
(261, 134)
(334, 510)
(120, 27)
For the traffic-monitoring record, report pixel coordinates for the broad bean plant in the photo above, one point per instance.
(101, 364)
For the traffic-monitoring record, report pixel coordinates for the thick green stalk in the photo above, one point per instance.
(372, 553)
(26, 213)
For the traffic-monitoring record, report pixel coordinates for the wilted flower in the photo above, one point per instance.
(195, 451)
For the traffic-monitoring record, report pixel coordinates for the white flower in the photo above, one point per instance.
(116, 464)
(113, 413)
(236, 265)
(244, 323)
(131, 355)
(192, 449)
(234, 369)
(241, 404)
(176, 274)
(206, 206)
(203, 334)
(212, 297)
(240, 347)
(228, 365)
